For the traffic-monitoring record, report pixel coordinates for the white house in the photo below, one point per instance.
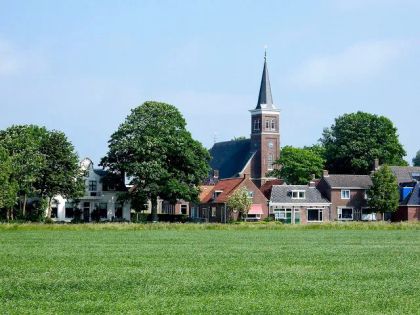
(101, 192)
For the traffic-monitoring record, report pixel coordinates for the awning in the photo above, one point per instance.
(256, 208)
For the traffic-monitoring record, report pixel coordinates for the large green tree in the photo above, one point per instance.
(60, 173)
(239, 202)
(416, 159)
(384, 195)
(43, 164)
(8, 186)
(23, 145)
(153, 148)
(297, 166)
(357, 139)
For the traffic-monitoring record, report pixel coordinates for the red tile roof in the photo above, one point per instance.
(204, 191)
(226, 186)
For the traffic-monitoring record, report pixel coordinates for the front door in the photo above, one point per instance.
(86, 211)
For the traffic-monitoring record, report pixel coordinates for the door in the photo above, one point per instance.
(86, 211)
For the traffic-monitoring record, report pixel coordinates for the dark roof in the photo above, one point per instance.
(226, 186)
(348, 181)
(404, 173)
(268, 186)
(100, 172)
(230, 157)
(265, 96)
(283, 194)
(415, 196)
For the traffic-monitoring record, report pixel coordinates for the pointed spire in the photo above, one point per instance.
(265, 99)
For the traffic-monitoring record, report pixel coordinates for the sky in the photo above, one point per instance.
(81, 66)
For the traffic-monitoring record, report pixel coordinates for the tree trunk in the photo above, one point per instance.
(154, 209)
(49, 208)
(239, 216)
(25, 199)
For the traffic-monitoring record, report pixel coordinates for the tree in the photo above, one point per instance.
(383, 196)
(22, 143)
(416, 159)
(154, 149)
(357, 139)
(239, 201)
(8, 186)
(297, 165)
(60, 173)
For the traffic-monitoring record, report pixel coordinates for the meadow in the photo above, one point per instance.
(214, 269)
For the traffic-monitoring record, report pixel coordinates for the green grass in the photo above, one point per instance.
(250, 269)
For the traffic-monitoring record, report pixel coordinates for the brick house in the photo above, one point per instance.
(408, 179)
(299, 204)
(213, 206)
(347, 194)
(253, 156)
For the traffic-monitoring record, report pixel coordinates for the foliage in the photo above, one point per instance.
(383, 196)
(297, 165)
(416, 159)
(202, 270)
(43, 164)
(240, 202)
(357, 139)
(239, 138)
(8, 186)
(158, 154)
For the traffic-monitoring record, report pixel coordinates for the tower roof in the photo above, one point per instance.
(265, 99)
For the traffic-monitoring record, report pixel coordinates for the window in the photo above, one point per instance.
(366, 195)
(69, 212)
(54, 212)
(184, 209)
(298, 194)
(345, 213)
(217, 193)
(314, 215)
(267, 124)
(345, 194)
(368, 215)
(103, 210)
(270, 162)
(273, 124)
(250, 194)
(93, 185)
(213, 212)
(257, 124)
(119, 211)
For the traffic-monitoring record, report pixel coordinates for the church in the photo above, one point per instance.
(253, 157)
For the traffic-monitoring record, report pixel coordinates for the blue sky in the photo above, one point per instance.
(80, 66)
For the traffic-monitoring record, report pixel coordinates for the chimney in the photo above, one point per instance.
(376, 165)
(312, 183)
(215, 174)
(325, 173)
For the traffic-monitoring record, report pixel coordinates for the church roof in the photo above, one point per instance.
(230, 157)
(265, 99)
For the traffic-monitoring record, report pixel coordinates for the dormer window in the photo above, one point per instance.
(93, 185)
(217, 193)
(298, 194)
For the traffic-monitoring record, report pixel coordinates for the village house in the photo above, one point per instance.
(299, 204)
(101, 195)
(408, 179)
(254, 156)
(347, 194)
(213, 206)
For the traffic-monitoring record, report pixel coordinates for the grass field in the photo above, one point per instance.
(169, 269)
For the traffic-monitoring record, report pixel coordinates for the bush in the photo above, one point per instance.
(95, 215)
(48, 221)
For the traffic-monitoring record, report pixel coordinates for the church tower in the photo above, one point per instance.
(265, 132)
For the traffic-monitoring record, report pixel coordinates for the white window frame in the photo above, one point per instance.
(320, 211)
(340, 214)
(342, 193)
(257, 124)
(298, 194)
(270, 161)
(217, 193)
